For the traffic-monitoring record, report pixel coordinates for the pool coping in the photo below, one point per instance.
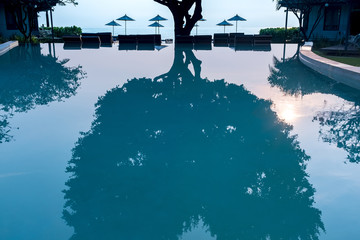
(340, 72)
(5, 47)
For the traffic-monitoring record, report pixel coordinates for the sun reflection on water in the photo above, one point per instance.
(286, 112)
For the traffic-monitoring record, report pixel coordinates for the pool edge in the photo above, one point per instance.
(340, 72)
(5, 47)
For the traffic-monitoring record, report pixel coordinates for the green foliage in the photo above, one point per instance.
(2, 39)
(350, 60)
(278, 34)
(62, 31)
(323, 42)
(21, 39)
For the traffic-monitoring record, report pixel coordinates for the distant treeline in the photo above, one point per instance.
(62, 31)
(278, 34)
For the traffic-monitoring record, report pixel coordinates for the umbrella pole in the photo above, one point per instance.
(113, 30)
(125, 27)
(236, 26)
(224, 28)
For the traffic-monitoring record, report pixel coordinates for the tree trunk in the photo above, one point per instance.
(21, 19)
(184, 22)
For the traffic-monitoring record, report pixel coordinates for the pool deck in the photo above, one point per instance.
(5, 47)
(340, 72)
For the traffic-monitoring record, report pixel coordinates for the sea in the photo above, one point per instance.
(168, 32)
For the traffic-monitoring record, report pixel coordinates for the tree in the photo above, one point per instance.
(25, 12)
(4, 129)
(30, 79)
(341, 125)
(183, 20)
(168, 153)
(294, 79)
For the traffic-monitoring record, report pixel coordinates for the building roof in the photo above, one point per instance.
(38, 5)
(301, 4)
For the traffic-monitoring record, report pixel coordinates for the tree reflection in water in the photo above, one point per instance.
(165, 154)
(295, 79)
(4, 129)
(340, 126)
(29, 78)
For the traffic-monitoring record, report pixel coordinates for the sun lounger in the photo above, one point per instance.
(72, 39)
(184, 46)
(232, 36)
(90, 45)
(157, 38)
(354, 41)
(203, 39)
(202, 46)
(108, 45)
(89, 35)
(145, 46)
(105, 37)
(262, 39)
(145, 38)
(262, 48)
(242, 47)
(244, 39)
(221, 39)
(184, 39)
(127, 39)
(127, 46)
(90, 39)
(72, 45)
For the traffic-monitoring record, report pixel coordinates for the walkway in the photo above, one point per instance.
(340, 72)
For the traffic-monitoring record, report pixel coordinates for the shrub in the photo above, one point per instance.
(61, 31)
(21, 39)
(323, 42)
(278, 34)
(2, 39)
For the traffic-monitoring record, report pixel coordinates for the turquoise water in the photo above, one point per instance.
(175, 144)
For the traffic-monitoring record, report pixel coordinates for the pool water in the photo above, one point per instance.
(175, 144)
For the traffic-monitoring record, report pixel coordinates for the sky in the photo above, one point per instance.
(96, 13)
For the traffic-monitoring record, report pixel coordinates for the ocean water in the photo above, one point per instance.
(175, 143)
(168, 32)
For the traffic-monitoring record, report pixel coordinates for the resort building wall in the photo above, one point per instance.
(7, 26)
(334, 21)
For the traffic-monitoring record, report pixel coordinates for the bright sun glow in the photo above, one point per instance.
(287, 113)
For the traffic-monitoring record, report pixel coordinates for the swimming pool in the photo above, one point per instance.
(175, 144)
